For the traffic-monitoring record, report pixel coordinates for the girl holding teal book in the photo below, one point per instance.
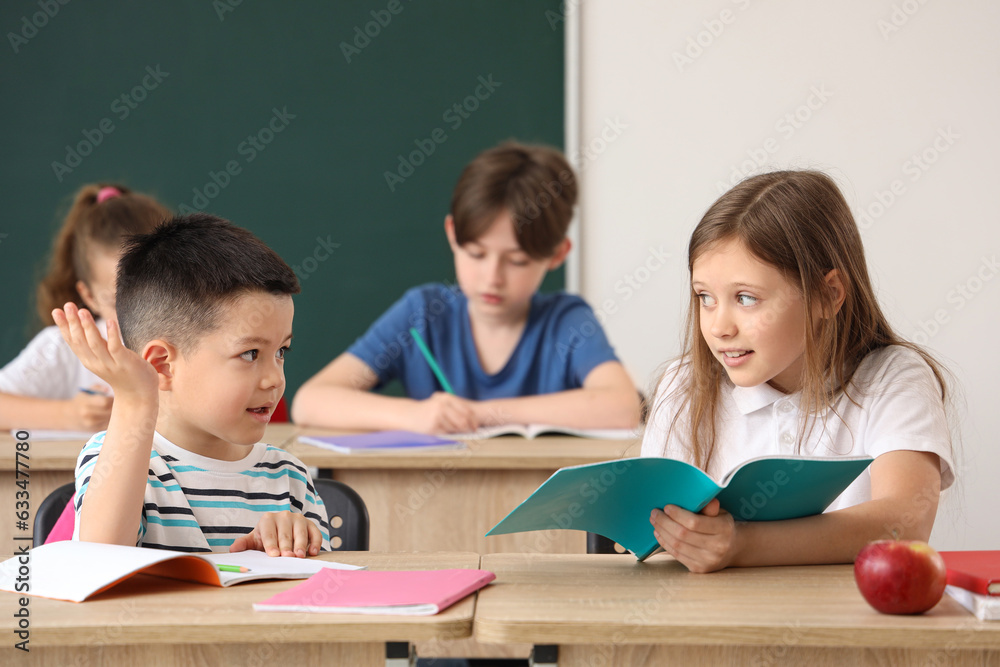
(788, 352)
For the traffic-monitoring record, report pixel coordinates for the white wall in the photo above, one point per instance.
(874, 84)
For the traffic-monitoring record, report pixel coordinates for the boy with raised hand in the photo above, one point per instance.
(205, 316)
(507, 353)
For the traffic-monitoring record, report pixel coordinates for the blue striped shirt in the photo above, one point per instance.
(196, 503)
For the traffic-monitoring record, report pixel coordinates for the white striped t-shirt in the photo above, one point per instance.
(196, 503)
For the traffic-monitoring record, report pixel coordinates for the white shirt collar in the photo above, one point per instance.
(751, 399)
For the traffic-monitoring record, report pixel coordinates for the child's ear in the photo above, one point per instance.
(449, 231)
(837, 292)
(88, 297)
(562, 250)
(161, 355)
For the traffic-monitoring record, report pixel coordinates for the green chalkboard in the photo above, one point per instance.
(335, 131)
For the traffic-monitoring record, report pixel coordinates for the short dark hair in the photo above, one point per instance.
(535, 184)
(173, 282)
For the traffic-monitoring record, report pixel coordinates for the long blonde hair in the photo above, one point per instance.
(799, 223)
(101, 216)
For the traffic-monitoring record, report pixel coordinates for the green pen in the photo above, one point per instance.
(431, 361)
(232, 568)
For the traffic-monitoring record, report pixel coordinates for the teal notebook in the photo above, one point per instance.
(614, 498)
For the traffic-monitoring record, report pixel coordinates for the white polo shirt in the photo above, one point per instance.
(47, 368)
(900, 409)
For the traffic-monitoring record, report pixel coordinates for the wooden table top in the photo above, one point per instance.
(152, 610)
(593, 599)
(61, 454)
(503, 453)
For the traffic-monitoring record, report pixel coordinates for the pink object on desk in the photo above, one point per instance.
(63, 530)
(399, 592)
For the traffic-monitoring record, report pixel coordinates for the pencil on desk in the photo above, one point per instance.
(232, 568)
(431, 361)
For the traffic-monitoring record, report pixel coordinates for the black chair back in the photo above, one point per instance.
(347, 514)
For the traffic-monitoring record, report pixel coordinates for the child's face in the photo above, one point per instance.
(751, 317)
(226, 388)
(98, 293)
(496, 275)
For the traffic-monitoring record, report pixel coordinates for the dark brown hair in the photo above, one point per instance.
(173, 282)
(91, 225)
(799, 223)
(535, 184)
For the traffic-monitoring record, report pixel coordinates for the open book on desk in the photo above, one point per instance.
(535, 430)
(614, 498)
(75, 571)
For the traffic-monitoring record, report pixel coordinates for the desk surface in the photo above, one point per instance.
(503, 453)
(591, 599)
(61, 454)
(152, 610)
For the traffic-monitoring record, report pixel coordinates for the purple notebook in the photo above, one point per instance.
(379, 441)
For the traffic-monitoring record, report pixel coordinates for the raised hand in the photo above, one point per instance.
(124, 370)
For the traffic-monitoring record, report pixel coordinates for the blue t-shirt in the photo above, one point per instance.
(561, 343)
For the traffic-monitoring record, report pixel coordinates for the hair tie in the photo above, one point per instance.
(108, 192)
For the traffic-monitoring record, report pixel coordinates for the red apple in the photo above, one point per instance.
(900, 576)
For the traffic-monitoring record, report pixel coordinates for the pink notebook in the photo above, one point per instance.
(399, 592)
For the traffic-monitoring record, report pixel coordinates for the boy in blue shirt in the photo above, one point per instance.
(197, 367)
(510, 354)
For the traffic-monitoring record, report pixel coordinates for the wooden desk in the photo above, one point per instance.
(52, 464)
(448, 499)
(153, 621)
(612, 610)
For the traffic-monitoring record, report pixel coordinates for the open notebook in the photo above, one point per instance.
(75, 571)
(614, 498)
